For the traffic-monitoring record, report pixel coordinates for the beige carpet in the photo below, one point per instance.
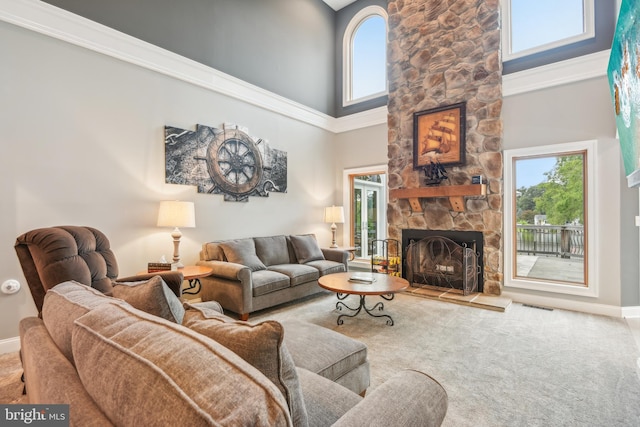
(524, 367)
(10, 382)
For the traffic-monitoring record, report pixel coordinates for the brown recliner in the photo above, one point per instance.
(53, 255)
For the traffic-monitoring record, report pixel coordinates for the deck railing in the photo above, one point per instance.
(565, 241)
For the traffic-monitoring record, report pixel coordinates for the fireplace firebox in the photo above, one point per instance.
(443, 260)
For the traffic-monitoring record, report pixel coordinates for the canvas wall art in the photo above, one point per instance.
(624, 81)
(439, 136)
(225, 161)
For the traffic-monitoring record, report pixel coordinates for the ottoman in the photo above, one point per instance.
(328, 353)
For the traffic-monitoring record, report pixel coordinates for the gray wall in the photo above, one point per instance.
(284, 46)
(83, 141)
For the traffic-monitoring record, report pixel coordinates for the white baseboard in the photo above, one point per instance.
(9, 345)
(631, 312)
(564, 304)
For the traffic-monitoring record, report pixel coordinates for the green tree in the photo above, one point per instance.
(526, 203)
(562, 198)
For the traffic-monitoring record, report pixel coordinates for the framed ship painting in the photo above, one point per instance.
(624, 81)
(439, 136)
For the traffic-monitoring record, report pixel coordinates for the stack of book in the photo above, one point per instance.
(154, 267)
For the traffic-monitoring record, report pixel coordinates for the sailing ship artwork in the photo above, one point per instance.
(439, 136)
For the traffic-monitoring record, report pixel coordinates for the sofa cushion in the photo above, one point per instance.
(211, 251)
(327, 267)
(259, 344)
(122, 353)
(272, 250)
(63, 304)
(243, 252)
(266, 281)
(152, 296)
(306, 248)
(330, 361)
(297, 273)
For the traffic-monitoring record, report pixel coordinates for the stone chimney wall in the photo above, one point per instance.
(443, 52)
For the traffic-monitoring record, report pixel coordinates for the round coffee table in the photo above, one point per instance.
(345, 284)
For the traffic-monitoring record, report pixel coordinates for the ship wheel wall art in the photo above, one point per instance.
(224, 161)
(439, 136)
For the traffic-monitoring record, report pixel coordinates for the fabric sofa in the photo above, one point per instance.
(252, 274)
(115, 364)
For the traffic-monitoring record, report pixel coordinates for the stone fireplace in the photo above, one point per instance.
(439, 54)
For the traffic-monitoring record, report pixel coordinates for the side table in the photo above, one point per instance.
(193, 273)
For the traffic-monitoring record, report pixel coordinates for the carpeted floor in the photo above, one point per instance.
(10, 379)
(524, 367)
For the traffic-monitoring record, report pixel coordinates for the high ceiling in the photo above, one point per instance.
(338, 4)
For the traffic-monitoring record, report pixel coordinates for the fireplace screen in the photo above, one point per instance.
(442, 264)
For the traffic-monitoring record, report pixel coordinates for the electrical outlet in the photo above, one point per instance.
(638, 221)
(10, 286)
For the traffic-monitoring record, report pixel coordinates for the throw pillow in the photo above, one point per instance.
(261, 345)
(63, 304)
(152, 296)
(306, 248)
(243, 252)
(144, 370)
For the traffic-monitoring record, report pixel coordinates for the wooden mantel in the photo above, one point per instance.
(455, 193)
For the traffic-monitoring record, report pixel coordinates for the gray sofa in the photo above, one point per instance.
(115, 364)
(252, 274)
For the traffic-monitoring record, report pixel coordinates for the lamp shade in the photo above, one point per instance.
(174, 213)
(334, 214)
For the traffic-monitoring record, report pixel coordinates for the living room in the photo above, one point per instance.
(85, 107)
(86, 110)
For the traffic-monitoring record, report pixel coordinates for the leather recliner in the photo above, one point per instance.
(53, 255)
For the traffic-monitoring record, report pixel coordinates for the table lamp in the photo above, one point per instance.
(333, 214)
(174, 213)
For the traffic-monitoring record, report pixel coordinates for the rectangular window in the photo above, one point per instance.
(531, 27)
(549, 218)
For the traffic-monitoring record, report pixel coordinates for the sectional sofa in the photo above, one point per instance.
(115, 364)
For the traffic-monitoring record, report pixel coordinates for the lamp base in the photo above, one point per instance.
(333, 236)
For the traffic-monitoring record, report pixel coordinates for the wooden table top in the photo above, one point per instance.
(191, 272)
(382, 285)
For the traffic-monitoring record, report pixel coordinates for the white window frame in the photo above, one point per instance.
(347, 203)
(507, 54)
(347, 55)
(591, 194)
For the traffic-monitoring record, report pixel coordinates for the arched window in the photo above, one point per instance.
(365, 56)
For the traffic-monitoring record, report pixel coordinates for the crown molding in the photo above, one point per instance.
(54, 22)
(556, 74)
